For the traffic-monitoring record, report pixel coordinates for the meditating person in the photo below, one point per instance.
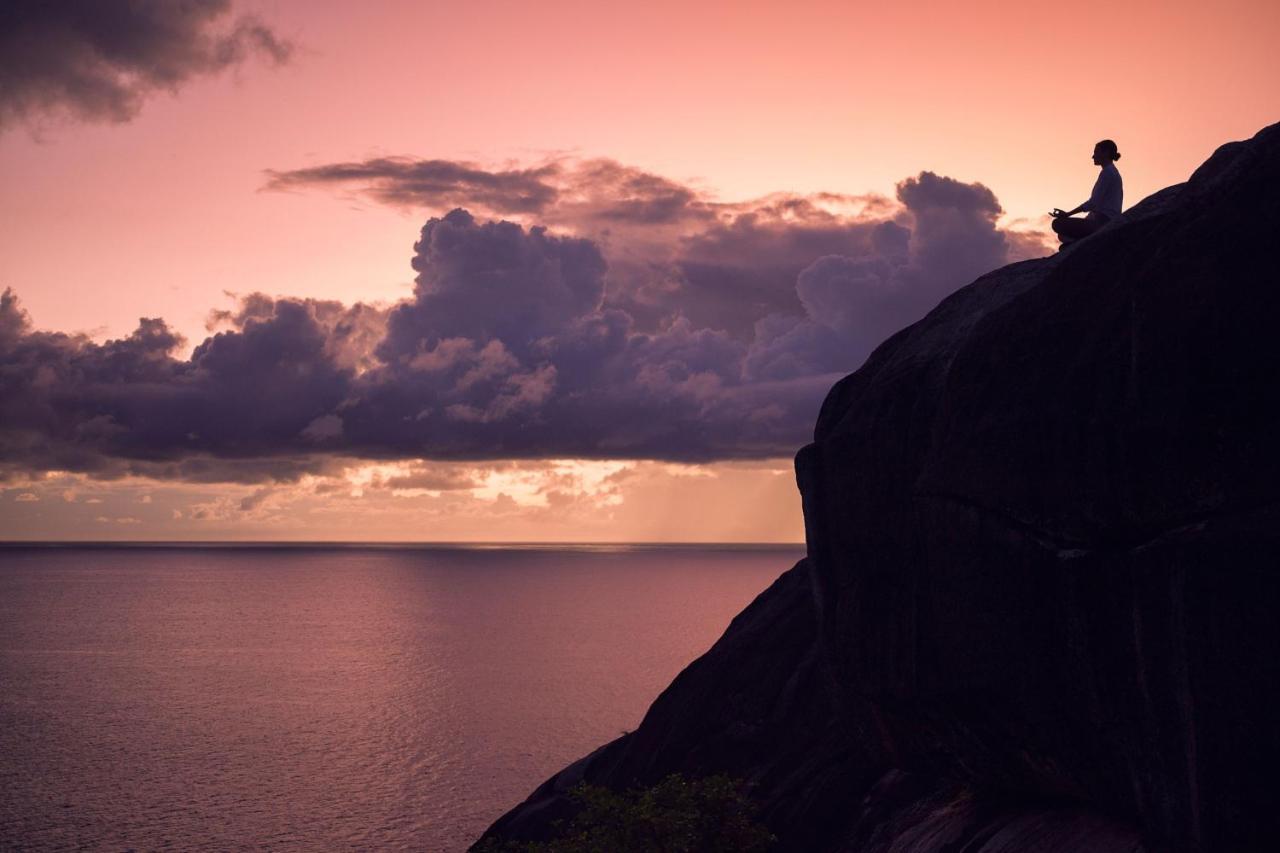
(1103, 204)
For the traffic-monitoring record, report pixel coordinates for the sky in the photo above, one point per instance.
(532, 272)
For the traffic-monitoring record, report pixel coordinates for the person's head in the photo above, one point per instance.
(1105, 152)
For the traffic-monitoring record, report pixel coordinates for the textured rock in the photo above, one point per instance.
(1040, 607)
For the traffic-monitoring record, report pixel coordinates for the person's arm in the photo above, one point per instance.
(1094, 199)
(1084, 206)
(1089, 203)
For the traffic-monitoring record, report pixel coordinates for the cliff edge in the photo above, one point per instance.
(1041, 605)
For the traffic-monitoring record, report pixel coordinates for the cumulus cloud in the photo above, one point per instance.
(852, 302)
(98, 60)
(674, 250)
(713, 340)
(494, 281)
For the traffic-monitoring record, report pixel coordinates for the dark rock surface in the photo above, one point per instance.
(1041, 606)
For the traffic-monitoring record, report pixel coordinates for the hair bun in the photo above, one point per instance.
(1117, 157)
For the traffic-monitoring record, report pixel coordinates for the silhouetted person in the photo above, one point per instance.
(1103, 204)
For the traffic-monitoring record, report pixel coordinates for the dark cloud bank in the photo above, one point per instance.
(645, 322)
(97, 60)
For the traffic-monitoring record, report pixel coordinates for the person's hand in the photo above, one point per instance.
(1057, 213)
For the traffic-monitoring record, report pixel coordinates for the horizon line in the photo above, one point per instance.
(423, 543)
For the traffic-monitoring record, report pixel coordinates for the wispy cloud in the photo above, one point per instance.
(98, 60)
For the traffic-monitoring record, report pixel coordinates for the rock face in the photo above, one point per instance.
(1041, 605)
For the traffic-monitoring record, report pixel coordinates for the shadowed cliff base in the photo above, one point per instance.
(1039, 607)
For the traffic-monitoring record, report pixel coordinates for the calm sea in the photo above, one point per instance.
(220, 698)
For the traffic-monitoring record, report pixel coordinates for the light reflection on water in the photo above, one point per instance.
(319, 698)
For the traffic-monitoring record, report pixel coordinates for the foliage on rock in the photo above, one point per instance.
(677, 815)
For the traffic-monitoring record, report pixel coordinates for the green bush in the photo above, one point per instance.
(709, 815)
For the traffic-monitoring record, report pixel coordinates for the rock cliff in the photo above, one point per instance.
(1041, 605)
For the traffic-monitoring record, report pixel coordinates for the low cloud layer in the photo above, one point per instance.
(521, 500)
(98, 60)
(680, 329)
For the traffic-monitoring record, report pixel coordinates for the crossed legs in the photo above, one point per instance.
(1069, 229)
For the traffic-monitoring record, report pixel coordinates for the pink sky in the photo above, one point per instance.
(162, 215)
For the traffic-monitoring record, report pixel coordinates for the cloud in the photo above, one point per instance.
(98, 60)
(429, 478)
(403, 182)
(740, 270)
(72, 404)
(672, 249)
(493, 282)
(553, 500)
(258, 499)
(695, 331)
(851, 303)
(559, 191)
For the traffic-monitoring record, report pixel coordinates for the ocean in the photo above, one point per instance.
(330, 697)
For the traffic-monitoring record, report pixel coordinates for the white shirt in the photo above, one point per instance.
(1108, 193)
